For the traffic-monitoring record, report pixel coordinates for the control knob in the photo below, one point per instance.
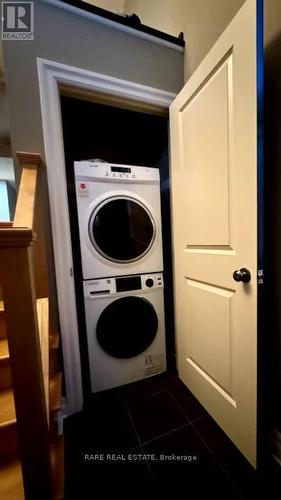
(149, 282)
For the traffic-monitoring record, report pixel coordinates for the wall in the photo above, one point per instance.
(116, 6)
(202, 21)
(5, 142)
(7, 188)
(7, 172)
(4, 202)
(75, 40)
(4, 123)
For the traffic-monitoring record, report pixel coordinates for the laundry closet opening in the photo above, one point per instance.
(124, 133)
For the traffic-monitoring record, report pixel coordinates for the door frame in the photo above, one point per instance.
(263, 424)
(52, 75)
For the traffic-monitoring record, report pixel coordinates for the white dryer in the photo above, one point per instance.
(125, 329)
(119, 219)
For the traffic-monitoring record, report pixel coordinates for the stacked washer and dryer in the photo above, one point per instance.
(119, 218)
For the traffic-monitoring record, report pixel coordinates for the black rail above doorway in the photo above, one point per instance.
(131, 21)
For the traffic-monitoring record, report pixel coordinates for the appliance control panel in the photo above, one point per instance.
(122, 284)
(113, 172)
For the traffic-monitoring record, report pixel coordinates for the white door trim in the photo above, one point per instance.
(51, 74)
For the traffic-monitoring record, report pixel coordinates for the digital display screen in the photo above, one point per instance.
(124, 170)
(127, 284)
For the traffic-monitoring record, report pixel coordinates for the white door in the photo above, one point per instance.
(214, 206)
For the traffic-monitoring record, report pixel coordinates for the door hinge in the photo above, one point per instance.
(260, 277)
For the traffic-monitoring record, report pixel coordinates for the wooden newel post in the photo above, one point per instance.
(17, 279)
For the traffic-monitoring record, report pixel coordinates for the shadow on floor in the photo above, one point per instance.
(152, 439)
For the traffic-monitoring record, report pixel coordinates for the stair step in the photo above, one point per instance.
(7, 408)
(8, 427)
(4, 350)
(11, 485)
(11, 482)
(5, 369)
(3, 334)
(7, 403)
(9, 447)
(6, 223)
(5, 374)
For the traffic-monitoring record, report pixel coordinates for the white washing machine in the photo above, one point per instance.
(125, 329)
(119, 218)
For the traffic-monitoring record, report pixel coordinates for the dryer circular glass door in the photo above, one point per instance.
(121, 229)
(127, 327)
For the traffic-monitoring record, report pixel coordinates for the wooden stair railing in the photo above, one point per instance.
(27, 325)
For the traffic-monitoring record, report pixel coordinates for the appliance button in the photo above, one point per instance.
(149, 282)
(133, 176)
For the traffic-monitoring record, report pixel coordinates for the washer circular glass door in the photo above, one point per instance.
(121, 229)
(127, 327)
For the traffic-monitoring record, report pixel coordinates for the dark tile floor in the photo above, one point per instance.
(151, 440)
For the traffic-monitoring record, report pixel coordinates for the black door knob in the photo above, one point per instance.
(242, 275)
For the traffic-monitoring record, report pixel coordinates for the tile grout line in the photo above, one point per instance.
(217, 461)
(188, 422)
(160, 435)
(179, 406)
(138, 438)
(143, 398)
(165, 389)
(132, 422)
(166, 433)
(157, 437)
(237, 488)
(199, 418)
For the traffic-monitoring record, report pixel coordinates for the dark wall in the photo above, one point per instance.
(273, 222)
(112, 134)
(272, 127)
